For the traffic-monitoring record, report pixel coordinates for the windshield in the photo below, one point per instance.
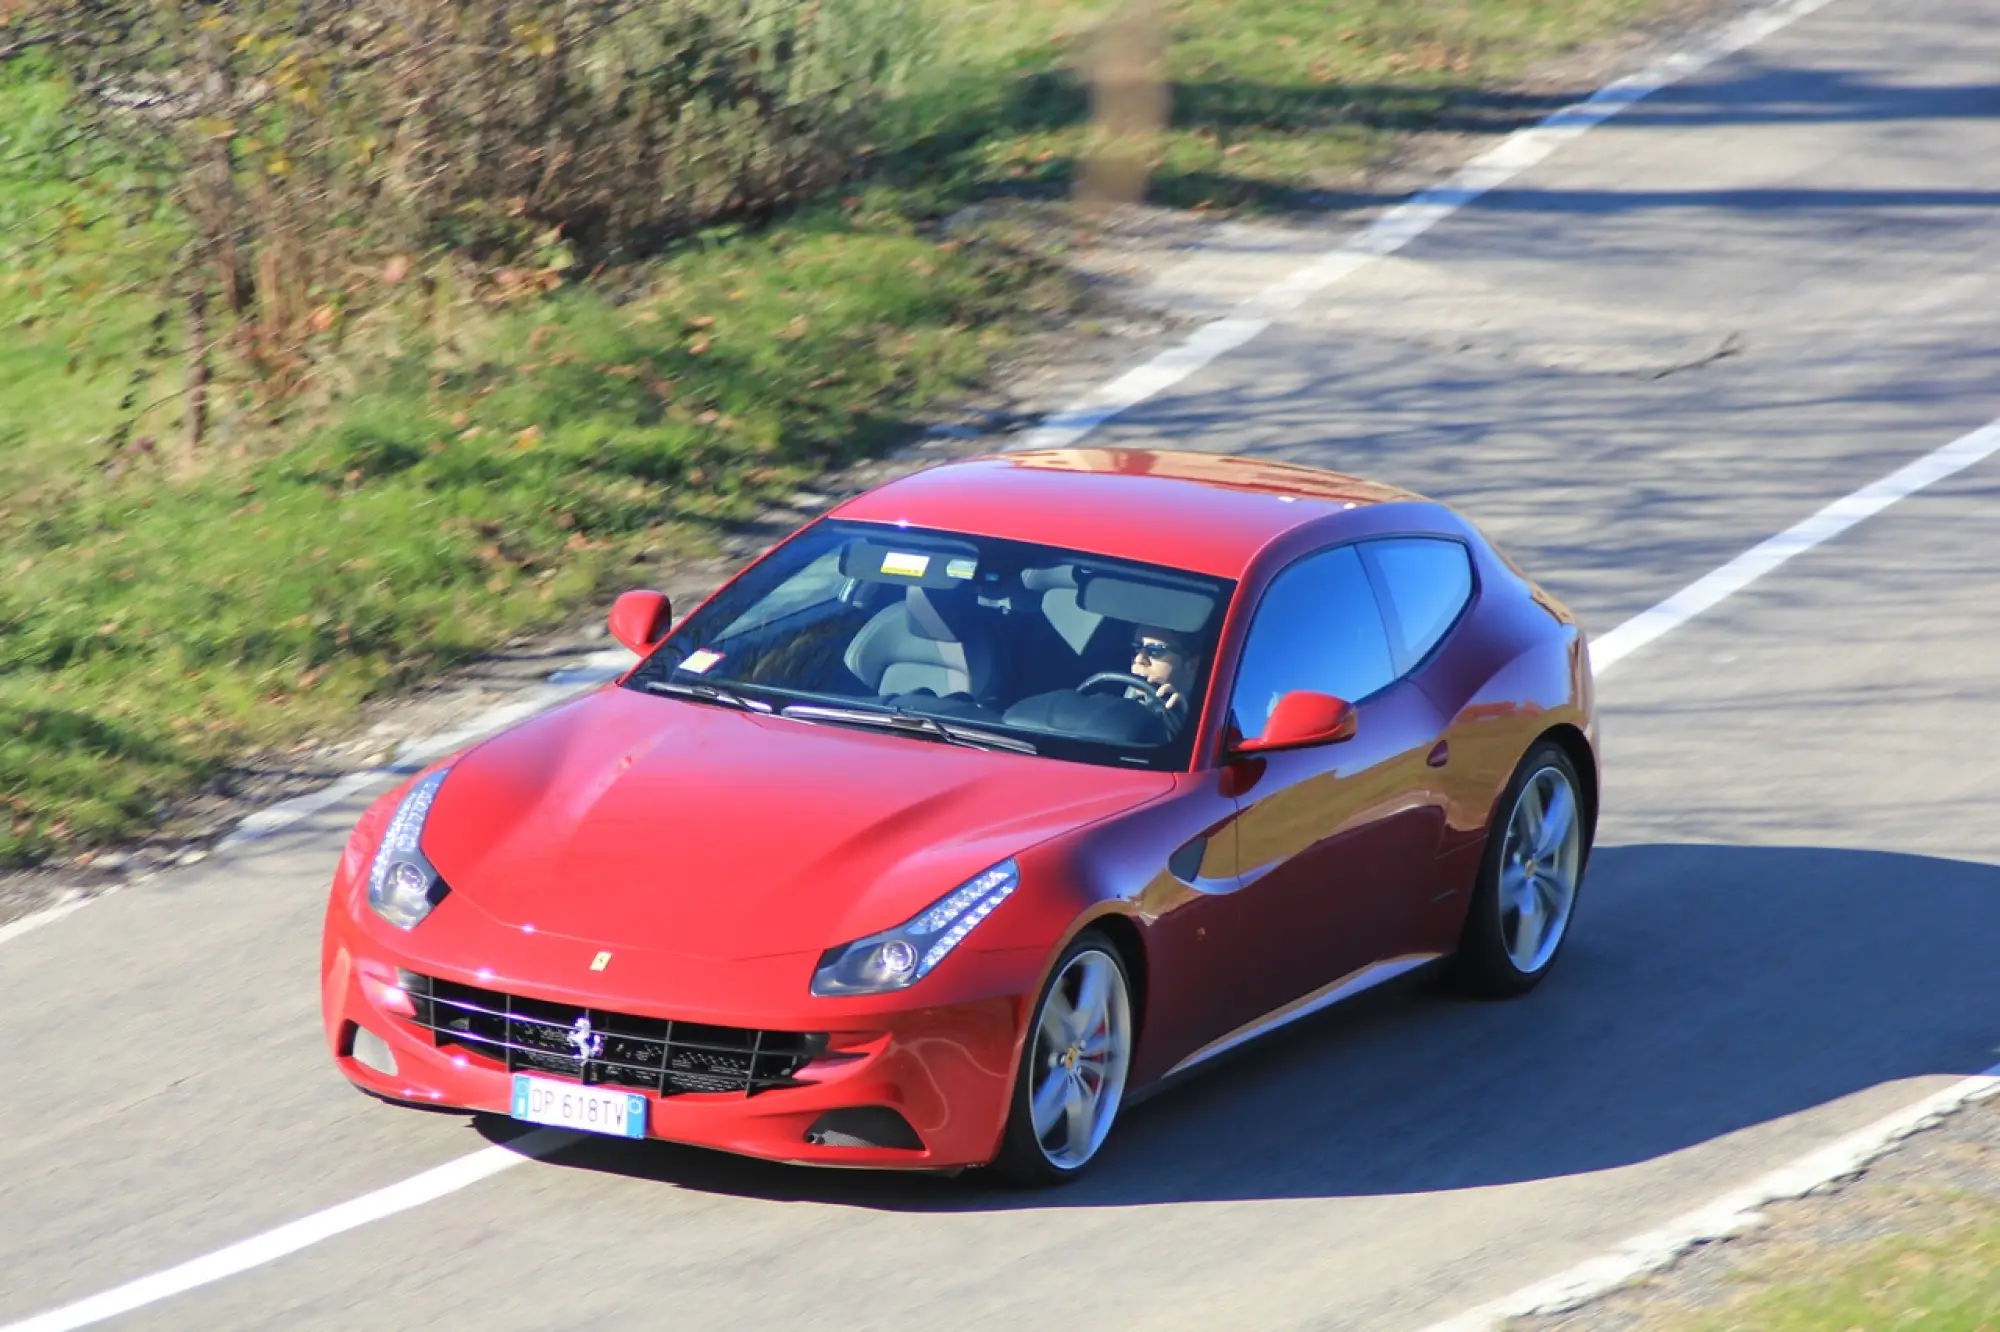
(941, 636)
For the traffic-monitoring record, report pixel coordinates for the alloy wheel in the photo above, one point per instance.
(1083, 1049)
(1540, 865)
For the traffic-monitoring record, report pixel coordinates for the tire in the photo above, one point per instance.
(1033, 1158)
(1530, 876)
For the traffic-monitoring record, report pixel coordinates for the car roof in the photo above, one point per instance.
(1205, 512)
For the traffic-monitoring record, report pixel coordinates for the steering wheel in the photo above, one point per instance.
(1149, 697)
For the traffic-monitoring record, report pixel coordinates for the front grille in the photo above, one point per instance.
(615, 1049)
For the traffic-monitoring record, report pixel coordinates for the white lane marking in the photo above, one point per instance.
(1762, 558)
(294, 1235)
(1730, 1214)
(47, 916)
(285, 813)
(1133, 387)
(1399, 226)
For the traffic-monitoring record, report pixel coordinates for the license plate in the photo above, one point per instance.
(566, 1105)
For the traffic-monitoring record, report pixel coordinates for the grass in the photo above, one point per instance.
(1945, 1282)
(153, 626)
(468, 472)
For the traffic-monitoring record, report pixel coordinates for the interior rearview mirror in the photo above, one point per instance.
(1301, 719)
(641, 619)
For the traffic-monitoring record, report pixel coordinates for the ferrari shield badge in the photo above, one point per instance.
(600, 962)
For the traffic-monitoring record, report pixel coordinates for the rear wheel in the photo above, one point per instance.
(1074, 1064)
(1529, 878)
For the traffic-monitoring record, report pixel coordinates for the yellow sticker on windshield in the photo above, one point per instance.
(699, 661)
(910, 566)
(961, 568)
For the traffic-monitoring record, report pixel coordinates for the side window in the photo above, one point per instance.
(1317, 628)
(1427, 582)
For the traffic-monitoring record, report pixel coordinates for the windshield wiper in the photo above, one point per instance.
(707, 693)
(911, 723)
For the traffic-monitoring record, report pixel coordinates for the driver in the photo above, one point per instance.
(1162, 659)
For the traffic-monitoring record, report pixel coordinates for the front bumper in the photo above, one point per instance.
(946, 1066)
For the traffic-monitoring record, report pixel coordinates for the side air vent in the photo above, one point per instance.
(864, 1126)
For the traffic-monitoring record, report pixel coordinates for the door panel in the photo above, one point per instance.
(1332, 838)
(1198, 950)
(1338, 845)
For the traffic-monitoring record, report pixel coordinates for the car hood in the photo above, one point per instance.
(627, 818)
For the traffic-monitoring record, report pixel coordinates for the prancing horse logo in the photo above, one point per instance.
(588, 1043)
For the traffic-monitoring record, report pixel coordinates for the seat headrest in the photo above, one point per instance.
(938, 615)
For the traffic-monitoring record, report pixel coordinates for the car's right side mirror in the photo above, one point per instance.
(1302, 719)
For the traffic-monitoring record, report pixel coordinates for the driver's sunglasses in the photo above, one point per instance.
(1152, 649)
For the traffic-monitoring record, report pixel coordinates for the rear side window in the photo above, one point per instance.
(1427, 582)
(1317, 628)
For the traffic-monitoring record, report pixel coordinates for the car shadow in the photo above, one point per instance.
(1707, 989)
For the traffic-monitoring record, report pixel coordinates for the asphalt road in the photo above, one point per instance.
(1789, 929)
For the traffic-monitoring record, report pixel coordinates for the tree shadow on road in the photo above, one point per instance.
(1707, 990)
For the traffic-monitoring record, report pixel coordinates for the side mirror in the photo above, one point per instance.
(1303, 719)
(640, 620)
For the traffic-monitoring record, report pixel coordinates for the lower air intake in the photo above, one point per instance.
(864, 1126)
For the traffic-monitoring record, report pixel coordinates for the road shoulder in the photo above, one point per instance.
(1926, 1200)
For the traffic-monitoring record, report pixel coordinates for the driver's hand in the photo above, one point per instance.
(1170, 696)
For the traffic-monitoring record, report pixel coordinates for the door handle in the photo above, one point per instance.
(1440, 754)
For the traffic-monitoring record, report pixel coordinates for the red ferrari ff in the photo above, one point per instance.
(979, 803)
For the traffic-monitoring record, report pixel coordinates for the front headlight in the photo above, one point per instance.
(899, 958)
(402, 885)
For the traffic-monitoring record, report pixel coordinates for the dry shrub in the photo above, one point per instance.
(311, 147)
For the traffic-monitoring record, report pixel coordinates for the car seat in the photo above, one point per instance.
(935, 641)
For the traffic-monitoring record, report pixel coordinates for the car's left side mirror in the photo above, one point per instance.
(641, 619)
(1302, 719)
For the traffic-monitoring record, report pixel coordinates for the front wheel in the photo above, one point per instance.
(1528, 878)
(1074, 1063)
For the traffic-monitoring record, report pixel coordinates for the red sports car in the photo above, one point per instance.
(982, 801)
